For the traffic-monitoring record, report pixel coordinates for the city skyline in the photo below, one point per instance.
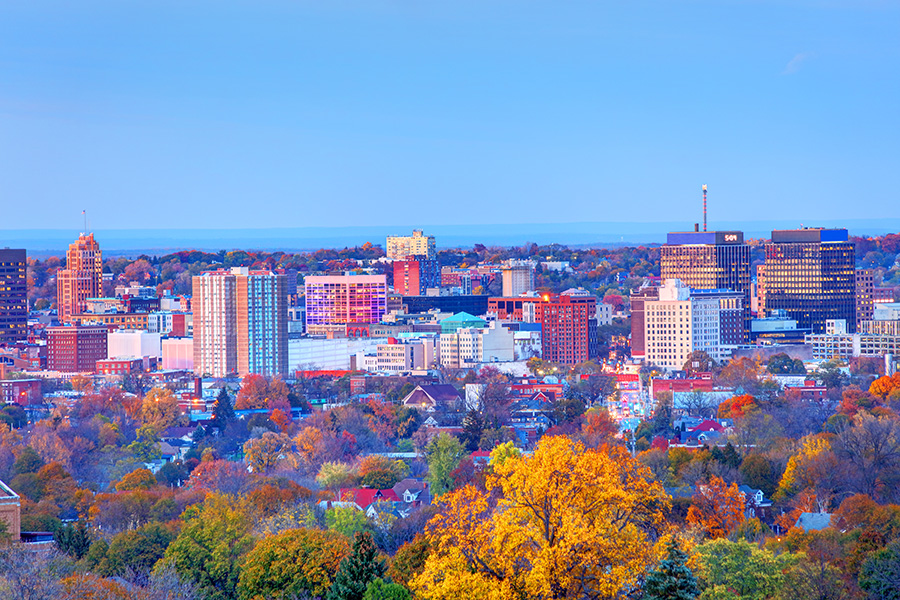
(257, 116)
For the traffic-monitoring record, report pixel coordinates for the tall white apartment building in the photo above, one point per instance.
(518, 278)
(240, 323)
(469, 346)
(683, 320)
(417, 244)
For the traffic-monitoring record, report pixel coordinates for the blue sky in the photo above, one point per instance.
(298, 114)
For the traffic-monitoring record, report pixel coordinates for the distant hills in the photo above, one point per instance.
(160, 241)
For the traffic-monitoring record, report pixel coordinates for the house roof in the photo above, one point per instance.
(432, 395)
(708, 425)
(366, 496)
(814, 521)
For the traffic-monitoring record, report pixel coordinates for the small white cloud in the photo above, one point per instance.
(795, 63)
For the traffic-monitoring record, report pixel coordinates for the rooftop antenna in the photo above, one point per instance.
(704, 207)
(84, 214)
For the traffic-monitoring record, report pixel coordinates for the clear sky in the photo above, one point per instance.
(321, 113)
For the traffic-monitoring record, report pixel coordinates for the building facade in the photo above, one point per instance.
(81, 279)
(865, 295)
(415, 274)
(240, 323)
(343, 303)
(638, 303)
(682, 320)
(75, 348)
(565, 321)
(518, 277)
(811, 275)
(13, 296)
(417, 244)
(709, 260)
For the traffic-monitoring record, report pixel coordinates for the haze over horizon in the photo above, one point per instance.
(349, 113)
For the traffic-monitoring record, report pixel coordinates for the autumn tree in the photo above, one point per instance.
(160, 409)
(443, 454)
(213, 541)
(739, 570)
(716, 508)
(880, 573)
(264, 453)
(346, 520)
(259, 392)
(737, 406)
(380, 472)
(291, 564)
(139, 479)
(334, 475)
(565, 522)
(379, 589)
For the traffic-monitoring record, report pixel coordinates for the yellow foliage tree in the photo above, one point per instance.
(264, 453)
(565, 522)
(160, 409)
(796, 473)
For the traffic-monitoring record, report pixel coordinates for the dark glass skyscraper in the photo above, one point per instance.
(811, 274)
(710, 260)
(13, 296)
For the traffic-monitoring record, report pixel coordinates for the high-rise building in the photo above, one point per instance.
(81, 279)
(811, 275)
(75, 348)
(518, 277)
(415, 274)
(240, 322)
(344, 304)
(638, 319)
(13, 296)
(709, 260)
(565, 321)
(684, 320)
(417, 244)
(865, 295)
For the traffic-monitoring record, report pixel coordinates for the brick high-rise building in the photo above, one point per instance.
(414, 275)
(81, 279)
(865, 295)
(417, 244)
(709, 260)
(811, 275)
(344, 304)
(13, 296)
(240, 322)
(565, 321)
(75, 348)
(639, 301)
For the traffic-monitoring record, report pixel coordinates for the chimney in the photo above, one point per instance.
(696, 227)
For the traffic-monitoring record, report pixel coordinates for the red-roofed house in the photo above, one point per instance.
(363, 497)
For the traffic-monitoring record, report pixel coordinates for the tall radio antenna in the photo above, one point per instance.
(704, 207)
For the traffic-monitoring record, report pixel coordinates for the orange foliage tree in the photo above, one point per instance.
(883, 386)
(737, 406)
(718, 508)
(259, 392)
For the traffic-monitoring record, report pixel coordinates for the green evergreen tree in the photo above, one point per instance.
(359, 569)
(74, 540)
(223, 411)
(673, 580)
